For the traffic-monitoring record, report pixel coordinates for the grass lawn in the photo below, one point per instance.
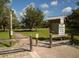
(4, 35)
(77, 37)
(43, 33)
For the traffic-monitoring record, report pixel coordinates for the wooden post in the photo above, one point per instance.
(30, 43)
(37, 39)
(50, 36)
(50, 40)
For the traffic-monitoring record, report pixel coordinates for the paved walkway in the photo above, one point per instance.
(41, 51)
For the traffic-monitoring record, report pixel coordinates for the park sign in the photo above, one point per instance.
(61, 29)
(57, 25)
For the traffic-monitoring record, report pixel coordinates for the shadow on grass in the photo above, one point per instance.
(41, 38)
(26, 30)
(4, 44)
(6, 30)
(53, 39)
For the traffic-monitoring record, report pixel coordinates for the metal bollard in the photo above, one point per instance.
(30, 43)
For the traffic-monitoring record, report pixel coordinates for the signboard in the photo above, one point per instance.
(61, 29)
(62, 20)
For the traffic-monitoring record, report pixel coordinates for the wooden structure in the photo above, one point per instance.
(56, 27)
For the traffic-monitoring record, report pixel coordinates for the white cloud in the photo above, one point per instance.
(14, 11)
(55, 2)
(46, 12)
(10, 1)
(21, 14)
(45, 6)
(32, 3)
(76, 7)
(23, 10)
(67, 10)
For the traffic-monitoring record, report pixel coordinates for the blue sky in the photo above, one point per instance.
(49, 7)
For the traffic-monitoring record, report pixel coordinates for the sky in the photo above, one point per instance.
(49, 7)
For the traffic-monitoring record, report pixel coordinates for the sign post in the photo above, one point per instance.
(61, 29)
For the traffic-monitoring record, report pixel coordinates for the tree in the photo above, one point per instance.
(72, 24)
(15, 22)
(3, 3)
(32, 17)
(77, 3)
(5, 19)
(4, 14)
(44, 24)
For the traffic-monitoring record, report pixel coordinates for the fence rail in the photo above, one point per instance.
(7, 40)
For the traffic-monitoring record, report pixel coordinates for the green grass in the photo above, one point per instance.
(4, 44)
(77, 37)
(4, 35)
(43, 33)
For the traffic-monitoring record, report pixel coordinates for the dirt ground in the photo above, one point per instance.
(62, 51)
(42, 51)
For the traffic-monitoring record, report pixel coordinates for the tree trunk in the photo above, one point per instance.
(30, 29)
(2, 27)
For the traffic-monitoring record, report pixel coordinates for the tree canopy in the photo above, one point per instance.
(73, 22)
(32, 17)
(4, 14)
(15, 21)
